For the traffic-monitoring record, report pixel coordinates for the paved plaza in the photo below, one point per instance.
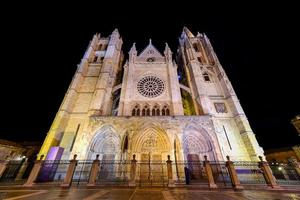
(9, 193)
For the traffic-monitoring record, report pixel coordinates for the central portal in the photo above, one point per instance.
(152, 147)
(152, 170)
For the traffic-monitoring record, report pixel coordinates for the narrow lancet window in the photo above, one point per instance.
(206, 77)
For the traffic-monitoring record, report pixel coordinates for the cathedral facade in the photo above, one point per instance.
(151, 105)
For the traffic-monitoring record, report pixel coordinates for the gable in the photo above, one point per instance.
(150, 54)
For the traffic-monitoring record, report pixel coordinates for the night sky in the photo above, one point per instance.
(258, 46)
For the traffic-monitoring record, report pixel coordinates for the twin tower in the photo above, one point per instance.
(152, 105)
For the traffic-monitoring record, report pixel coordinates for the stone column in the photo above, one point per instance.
(233, 175)
(268, 175)
(94, 171)
(132, 171)
(170, 172)
(34, 172)
(3, 165)
(208, 170)
(294, 163)
(22, 169)
(70, 172)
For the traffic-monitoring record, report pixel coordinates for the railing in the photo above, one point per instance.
(52, 171)
(285, 174)
(154, 173)
(249, 173)
(221, 174)
(190, 173)
(113, 172)
(16, 171)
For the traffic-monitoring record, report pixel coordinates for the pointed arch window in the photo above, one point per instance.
(148, 112)
(206, 77)
(136, 111)
(165, 110)
(199, 60)
(144, 112)
(196, 47)
(153, 112)
(95, 58)
(157, 112)
(100, 47)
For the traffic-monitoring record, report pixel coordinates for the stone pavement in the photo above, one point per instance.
(11, 193)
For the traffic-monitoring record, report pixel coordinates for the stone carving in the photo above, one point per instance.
(220, 107)
(150, 143)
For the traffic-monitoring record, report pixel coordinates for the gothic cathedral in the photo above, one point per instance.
(152, 105)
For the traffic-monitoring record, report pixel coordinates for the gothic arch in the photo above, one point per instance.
(151, 138)
(211, 76)
(105, 142)
(196, 142)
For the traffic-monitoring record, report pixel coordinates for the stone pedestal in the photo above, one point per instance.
(208, 170)
(3, 165)
(94, 172)
(170, 172)
(268, 175)
(132, 171)
(34, 172)
(233, 175)
(70, 172)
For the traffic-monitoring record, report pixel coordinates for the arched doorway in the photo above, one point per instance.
(106, 143)
(151, 147)
(197, 144)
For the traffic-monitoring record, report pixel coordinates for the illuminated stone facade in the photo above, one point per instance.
(151, 105)
(283, 155)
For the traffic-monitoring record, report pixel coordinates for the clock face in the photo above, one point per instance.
(150, 86)
(150, 59)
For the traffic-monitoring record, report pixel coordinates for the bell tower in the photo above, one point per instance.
(89, 94)
(101, 103)
(214, 95)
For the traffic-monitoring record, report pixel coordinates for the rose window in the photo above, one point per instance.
(150, 86)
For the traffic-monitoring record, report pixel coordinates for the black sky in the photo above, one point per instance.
(41, 45)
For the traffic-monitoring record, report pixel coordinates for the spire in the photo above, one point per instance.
(132, 53)
(205, 36)
(133, 48)
(187, 32)
(167, 48)
(115, 32)
(114, 37)
(199, 34)
(150, 41)
(168, 52)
